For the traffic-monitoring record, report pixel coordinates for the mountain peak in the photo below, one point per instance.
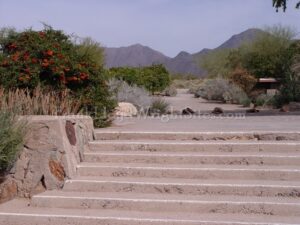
(237, 40)
(137, 45)
(183, 54)
(138, 55)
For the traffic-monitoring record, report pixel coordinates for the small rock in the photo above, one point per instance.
(188, 111)
(217, 110)
(285, 108)
(254, 110)
(126, 109)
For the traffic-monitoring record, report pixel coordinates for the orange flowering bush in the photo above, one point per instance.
(49, 58)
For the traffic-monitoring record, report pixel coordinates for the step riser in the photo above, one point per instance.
(195, 147)
(196, 136)
(208, 189)
(65, 220)
(195, 173)
(168, 159)
(171, 206)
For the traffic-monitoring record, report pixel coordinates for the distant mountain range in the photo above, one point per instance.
(184, 63)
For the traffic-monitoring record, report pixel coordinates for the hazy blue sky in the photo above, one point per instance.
(165, 25)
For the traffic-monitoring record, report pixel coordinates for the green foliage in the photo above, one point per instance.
(154, 78)
(282, 4)
(11, 139)
(290, 89)
(49, 58)
(216, 63)
(269, 55)
(91, 49)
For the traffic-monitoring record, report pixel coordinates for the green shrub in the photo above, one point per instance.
(159, 106)
(11, 139)
(49, 58)
(154, 78)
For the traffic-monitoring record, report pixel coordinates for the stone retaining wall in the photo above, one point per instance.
(53, 147)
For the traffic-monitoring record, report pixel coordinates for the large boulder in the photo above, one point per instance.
(126, 109)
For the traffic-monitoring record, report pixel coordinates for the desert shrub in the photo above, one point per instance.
(49, 58)
(123, 92)
(213, 89)
(159, 106)
(191, 84)
(221, 90)
(39, 102)
(243, 79)
(264, 100)
(245, 102)
(234, 95)
(154, 78)
(11, 139)
(290, 88)
(170, 91)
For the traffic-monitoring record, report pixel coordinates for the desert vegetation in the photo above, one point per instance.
(70, 71)
(154, 78)
(12, 134)
(39, 102)
(124, 92)
(273, 54)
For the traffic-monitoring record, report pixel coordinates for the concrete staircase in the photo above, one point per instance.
(174, 179)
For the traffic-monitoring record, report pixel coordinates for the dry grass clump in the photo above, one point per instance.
(38, 102)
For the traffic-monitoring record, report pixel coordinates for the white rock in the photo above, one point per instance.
(126, 109)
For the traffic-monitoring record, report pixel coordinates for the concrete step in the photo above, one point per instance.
(195, 146)
(234, 158)
(169, 203)
(262, 188)
(18, 212)
(101, 134)
(241, 172)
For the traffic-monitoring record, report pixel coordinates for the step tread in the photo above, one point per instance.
(169, 197)
(193, 154)
(187, 142)
(113, 131)
(158, 166)
(182, 181)
(18, 207)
